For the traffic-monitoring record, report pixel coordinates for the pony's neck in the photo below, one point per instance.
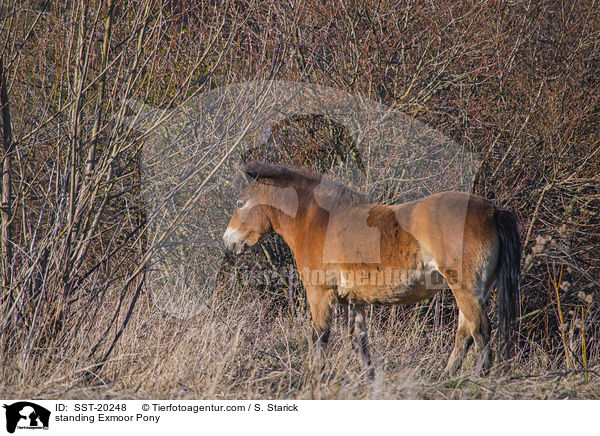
(291, 226)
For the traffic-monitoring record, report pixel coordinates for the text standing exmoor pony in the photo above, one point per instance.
(354, 252)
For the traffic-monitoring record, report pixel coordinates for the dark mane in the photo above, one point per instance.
(284, 175)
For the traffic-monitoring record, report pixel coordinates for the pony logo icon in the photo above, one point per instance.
(26, 415)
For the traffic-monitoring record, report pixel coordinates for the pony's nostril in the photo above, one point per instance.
(231, 237)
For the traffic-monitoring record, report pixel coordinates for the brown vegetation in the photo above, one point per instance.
(517, 83)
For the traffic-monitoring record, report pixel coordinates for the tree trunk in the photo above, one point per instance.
(6, 210)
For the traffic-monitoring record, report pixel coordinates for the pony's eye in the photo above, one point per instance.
(240, 204)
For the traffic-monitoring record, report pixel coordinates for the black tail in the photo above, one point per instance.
(509, 301)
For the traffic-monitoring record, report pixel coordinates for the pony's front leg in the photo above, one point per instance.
(321, 301)
(359, 336)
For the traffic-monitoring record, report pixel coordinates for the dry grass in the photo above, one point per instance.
(237, 347)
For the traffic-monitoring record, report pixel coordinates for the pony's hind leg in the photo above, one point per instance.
(359, 336)
(462, 342)
(477, 324)
(483, 348)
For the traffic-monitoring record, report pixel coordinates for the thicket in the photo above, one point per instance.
(516, 83)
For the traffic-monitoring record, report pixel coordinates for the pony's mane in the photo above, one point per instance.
(282, 175)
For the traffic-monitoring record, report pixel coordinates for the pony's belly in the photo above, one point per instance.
(388, 295)
(406, 288)
(377, 285)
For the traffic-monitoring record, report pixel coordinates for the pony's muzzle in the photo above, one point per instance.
(233, 241)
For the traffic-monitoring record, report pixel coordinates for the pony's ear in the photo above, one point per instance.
(241, 180)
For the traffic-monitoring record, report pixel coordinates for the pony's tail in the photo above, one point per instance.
(509, 301)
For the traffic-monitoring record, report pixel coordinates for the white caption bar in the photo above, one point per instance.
(248, 417)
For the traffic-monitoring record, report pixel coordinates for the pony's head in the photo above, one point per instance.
(250, 220)
(266, 193)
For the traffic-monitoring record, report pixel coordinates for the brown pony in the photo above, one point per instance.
(354, 252)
